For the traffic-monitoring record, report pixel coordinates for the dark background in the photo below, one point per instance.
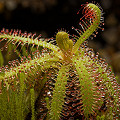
(46, 17)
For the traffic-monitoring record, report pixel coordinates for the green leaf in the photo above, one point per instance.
(58, 94)
(92, 26)
(32, 92)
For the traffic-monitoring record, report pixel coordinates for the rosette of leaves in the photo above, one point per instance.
(72, 82)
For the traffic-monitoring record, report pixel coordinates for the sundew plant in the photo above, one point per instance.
(58, 78)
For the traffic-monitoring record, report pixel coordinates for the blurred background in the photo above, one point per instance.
(46, 17)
